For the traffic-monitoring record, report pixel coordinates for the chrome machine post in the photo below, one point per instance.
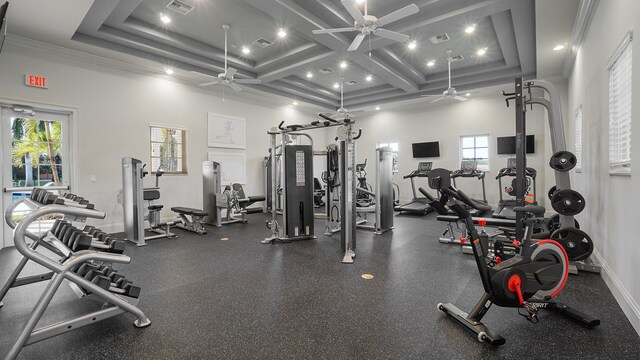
(132, 200)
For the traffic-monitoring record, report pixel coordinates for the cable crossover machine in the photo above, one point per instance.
(296, 179)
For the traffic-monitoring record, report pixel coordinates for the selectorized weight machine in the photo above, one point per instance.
(133, 198)
(297, 185)
(381, 199)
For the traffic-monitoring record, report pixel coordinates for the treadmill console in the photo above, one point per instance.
(468, 166)
(424, 167)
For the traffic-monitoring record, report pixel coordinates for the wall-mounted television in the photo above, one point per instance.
(3, 23)
(507, 145)
(426, 149)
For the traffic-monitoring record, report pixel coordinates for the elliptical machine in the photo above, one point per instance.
(528, 281)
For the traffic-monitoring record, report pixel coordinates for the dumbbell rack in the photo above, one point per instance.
(84, 260)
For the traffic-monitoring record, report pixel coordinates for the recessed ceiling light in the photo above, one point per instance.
(412, 45)
(431, 63)
(295, 103)
(369, 78)
(377, 108)
(558, 47)
(282, 33)
(309, 75)
(245, 50)
(470, 29)
(481, 51)
(165, 19)
(343, 65)
(467, 94)
(169, 71)
(336, 86)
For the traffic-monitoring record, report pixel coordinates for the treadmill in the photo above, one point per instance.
(419, 205)
(505, 206)
(469, 169)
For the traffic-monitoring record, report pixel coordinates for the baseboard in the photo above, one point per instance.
(629, 306)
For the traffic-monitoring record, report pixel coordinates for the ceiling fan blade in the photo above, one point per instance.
(460, 98)
(210, 83)
(392, 35)
(398, 14)
(203, 74)
(353, 10)
(231, 72)
(235, 87)
(431, 96)
(356, 42)
(438, 99)
(248, 81)
(329, 31)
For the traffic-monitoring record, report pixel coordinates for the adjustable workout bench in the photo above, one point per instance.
(191, 219)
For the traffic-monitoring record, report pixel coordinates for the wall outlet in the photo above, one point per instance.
(92, 178)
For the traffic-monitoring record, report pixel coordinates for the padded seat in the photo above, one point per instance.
(189, 211)
(155, 207)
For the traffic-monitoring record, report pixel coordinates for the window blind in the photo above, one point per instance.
(620, 108)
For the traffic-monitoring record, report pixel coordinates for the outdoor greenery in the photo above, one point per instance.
(37, 144)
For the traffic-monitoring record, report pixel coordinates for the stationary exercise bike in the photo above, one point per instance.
(528, 281)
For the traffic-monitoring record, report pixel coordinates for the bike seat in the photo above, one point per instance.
(531, 209)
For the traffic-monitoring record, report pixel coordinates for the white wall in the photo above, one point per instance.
(611, 216)
(115, 110)
(446, 124)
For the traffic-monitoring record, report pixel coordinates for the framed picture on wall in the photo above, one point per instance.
(233, 167)
(226, 131)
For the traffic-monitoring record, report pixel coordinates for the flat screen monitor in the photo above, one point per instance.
(3, 23)
(426, 149)
(507, 145)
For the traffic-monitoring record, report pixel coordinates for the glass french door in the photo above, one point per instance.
(35, 153)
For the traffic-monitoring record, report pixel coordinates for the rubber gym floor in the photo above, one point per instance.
(238, 299)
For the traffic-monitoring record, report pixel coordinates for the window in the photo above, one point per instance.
(394, 147)
(620, 108)
(168, 150)
(578, 150)
(476, 148)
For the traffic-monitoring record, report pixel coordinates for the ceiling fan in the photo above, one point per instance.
(227, 77)
(368, 24)
(451, 92)
(341, 113)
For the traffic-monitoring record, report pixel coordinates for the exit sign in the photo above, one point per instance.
(35, 81)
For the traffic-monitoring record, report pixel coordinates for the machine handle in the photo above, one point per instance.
(326, 117)
(426, 194)
(280, 126)
(358, 136)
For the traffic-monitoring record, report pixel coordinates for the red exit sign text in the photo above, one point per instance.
(35, 81)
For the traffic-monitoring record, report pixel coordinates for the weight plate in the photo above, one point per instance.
(575, 242)
(551, 191)
(554, 223)
(567, 202)
(563, 161)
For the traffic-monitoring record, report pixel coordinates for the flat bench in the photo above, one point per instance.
(191, 219)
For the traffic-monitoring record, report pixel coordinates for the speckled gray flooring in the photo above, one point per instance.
(239, 299)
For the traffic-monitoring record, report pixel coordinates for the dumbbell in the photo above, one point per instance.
(126, 287)
(56, 225)
(35, 194)
(80, 242)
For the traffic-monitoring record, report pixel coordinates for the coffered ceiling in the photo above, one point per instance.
(195, 43)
